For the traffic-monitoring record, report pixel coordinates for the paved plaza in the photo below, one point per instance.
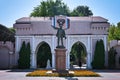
(20, 75)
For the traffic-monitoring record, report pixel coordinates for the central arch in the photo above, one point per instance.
(43, 54)
(78, 55)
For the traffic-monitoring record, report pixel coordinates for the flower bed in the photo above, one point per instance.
(86, 73)
(77, 73)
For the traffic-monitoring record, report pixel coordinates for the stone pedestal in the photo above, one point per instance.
(60, 56)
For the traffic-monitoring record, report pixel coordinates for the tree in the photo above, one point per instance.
(28, 53)
(22, 57)
(6, 34)
(50, 8)
(102, 54)
(114, 32)
(111, 58)
(95, 59)
(111, 34)
(81, 11)
(117, 33)
(99, 56)
(12, 30)
(118, 24)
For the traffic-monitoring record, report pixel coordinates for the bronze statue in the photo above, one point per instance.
(60, 33)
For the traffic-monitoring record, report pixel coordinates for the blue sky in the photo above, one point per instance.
(11, 10)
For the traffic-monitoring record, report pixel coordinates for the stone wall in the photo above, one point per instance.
(7, 56)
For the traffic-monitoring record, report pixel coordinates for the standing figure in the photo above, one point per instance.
(60, 33)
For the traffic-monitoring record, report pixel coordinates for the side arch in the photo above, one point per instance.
(87, 43)
(73, 40)
(78, 55)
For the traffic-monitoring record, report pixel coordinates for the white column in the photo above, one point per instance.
(16, 49)
(17, 41)
(105, 42)
(33, 55)
(53, 60)
(66, 46)
(68, 52)
(53, 43)
(88, 61)
(106, 52)
(67, 60)
(89, 54)
(33, 60)
(53, 52)
(33, 43)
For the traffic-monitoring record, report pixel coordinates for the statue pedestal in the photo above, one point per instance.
(60, 56)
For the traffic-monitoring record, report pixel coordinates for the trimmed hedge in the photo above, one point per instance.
(111, 58)
(24, 56)
(99, 56)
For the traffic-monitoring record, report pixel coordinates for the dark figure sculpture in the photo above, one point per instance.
(60, 33)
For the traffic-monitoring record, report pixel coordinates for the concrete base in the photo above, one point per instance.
(60, 56)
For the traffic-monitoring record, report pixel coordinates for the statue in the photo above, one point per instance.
(60, 33)
(48, 64)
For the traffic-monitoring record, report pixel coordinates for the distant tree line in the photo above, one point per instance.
(114, 32)
(51, 8)
(7, 34)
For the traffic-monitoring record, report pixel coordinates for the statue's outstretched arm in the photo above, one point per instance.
(54, 27)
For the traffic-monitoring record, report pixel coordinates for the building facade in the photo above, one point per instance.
(37, 30)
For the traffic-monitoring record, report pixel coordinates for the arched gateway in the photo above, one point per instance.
(86, 30)
(78, 55)
(43, 54)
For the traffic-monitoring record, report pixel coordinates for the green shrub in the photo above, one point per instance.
(21, 59)
(24, 56)
(99, 56)
(111, 58)
(28, 53)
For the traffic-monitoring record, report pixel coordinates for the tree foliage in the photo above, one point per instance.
(57, 7)
(24, 56)
(12, 29)
(50, 8)
(21, 62)
(111, 58)
(28, 53)
(6, 34)
(114, 32)
(81, 11)
(99, 56)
